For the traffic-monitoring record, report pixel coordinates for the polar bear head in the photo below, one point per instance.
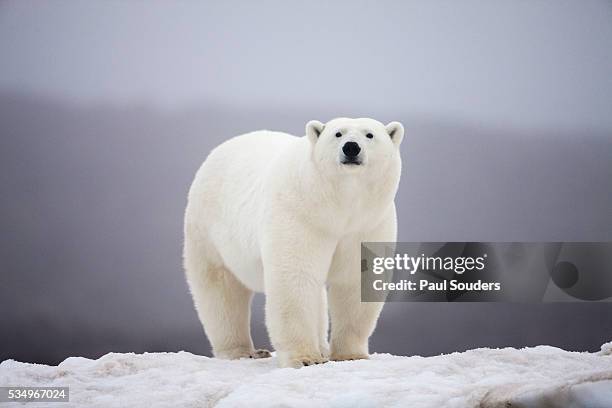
(355, 145)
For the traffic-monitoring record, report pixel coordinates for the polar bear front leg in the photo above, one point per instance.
(295, 269)
(354, 321)
(323, 325)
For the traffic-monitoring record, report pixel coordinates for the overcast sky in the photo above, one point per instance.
(542, 64)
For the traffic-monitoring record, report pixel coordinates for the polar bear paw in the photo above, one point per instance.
(325, 351)
(348, 357)
(308, 361)
(237, 353)
(301, 360)
(260, 353)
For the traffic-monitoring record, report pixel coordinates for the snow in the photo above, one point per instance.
(529, 377)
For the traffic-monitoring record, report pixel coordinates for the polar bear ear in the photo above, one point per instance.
(313, 130)
(396, 132)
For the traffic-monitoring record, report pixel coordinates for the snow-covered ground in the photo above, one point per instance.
(531, 377)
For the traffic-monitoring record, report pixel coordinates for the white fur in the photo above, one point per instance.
(280, 214)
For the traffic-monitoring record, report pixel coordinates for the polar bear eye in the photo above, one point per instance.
(369, 136)
(338, 134)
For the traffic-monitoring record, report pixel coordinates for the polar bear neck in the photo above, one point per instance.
(342, 200)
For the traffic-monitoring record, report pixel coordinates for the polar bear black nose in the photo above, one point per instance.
(351, 149)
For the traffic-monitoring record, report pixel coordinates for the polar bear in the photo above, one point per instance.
(285, 215)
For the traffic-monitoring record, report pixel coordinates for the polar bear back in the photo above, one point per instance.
(226, 200)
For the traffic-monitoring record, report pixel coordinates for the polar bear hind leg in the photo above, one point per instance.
(222, 302)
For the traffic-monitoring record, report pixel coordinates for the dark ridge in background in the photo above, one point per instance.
(91, 218)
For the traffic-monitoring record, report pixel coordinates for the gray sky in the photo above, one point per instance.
(533, 64)
(85, 140)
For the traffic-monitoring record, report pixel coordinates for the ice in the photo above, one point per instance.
(530, 377)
